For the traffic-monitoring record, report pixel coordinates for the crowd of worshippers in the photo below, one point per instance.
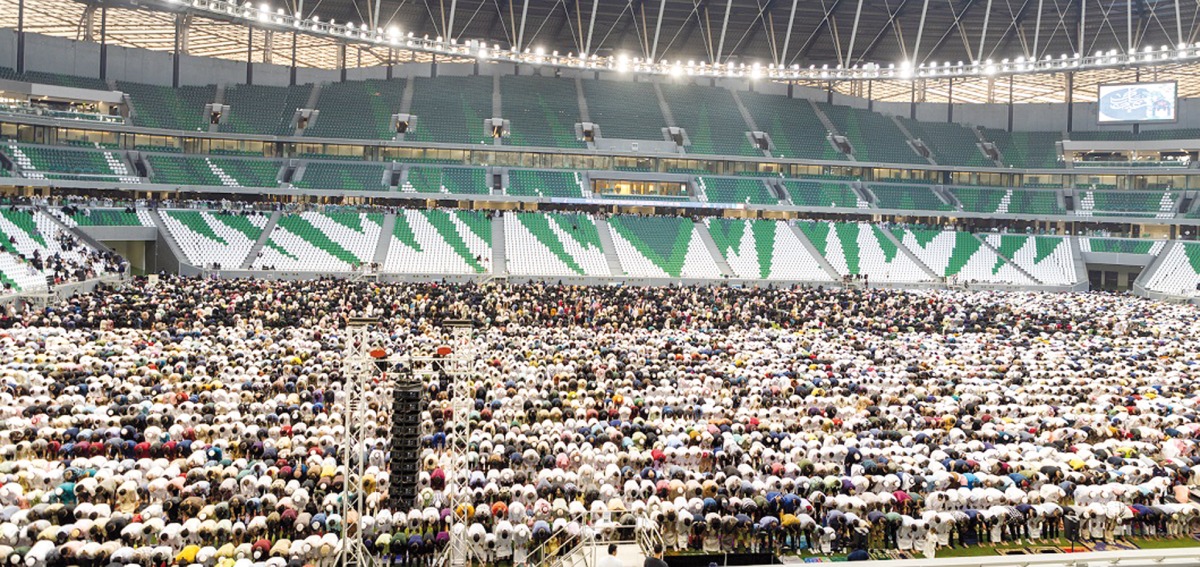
(199, 421)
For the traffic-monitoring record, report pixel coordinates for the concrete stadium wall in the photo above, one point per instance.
(71, 57)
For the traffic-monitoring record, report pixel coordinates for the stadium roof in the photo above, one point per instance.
(781, 32)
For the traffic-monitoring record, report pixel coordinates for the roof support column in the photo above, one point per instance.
(180, 26)
(591, 27)
(1037, 29)
(292, 70)
(987, 13)
(20, 36)
(662, 5)
(788, 38)
(853, 35)
(249, 55)
(920, 31)
(521, 34)
(103, 42)
(724, 27)
(449, 27)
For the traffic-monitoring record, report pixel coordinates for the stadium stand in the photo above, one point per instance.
(1178, 272)
(711, 118)
(108, 217)
(951, 144)
(1157, 204)
(1029, 150)
(1046, 258)
(440, 242)
(340, 175)
(544, 183)
(874, 136)
(661, 247)
(54, 79)
(819, 193)
(855, 249)
(257, 109)
(181, 108)
(764, 249)
(451, 110)
(39, 162)
(553, 244)
(1012, 201)
(959, 256)
(1121, 245)
(609, 106)
(357, 109)
(320, 242)
(735, 190)
(453, 180)
(229, 172)
(211, 239)
(541, 111)
(907, 197)
(796, 131)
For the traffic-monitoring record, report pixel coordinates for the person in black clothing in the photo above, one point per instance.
(655, 560)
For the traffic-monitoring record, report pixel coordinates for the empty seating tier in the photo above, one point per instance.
(1178, 273)
(1047, 258)
(256, 109)
(661, 247)
(553, 244)
(874, 136)
(1016, 201)
(959, 256)
(735, 190)
(541, 111)
(711, 118)
(211, 239)
(795, 129)
(45, 161)
(321, 242)
(823, 194)
(908, 197)
(229, 172)
(110, 217)
(440, 242)
(544, 183)
(951, 144)
(1121, 245)
(164, 107)
(451, 110)
(860, 248)
(357, 109)
(348, 176)
(1157, 204)
(764, 249)
(54, 79)
(624, 109)
(454, 180)
(1031, 150)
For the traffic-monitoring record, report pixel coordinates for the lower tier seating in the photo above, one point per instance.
(212, 239)
(661, 247)
(1178, 273)
(334, 242)
(1047, 258)
(959, 256)
(859, 248)
(553, 244)
(1121, 245)
(764, 249)
(440, 242)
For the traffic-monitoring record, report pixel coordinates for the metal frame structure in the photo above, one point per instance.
(360, 372)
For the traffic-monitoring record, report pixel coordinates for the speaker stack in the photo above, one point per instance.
(406, 445)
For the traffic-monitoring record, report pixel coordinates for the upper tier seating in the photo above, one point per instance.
(959, 256)
(907, 197)
(1144, 134)
(257, 109)
(440, 242)
(54, 79)
(951, 144)
(661, 247)
(553, 244)
(764, 249)
(451, 110)
(874, 136)
(1121, 245)
(360, 110)
(1157, 204)
(1015, 201)
(453, 180)
(230, 172)
(321, 242)
(172, 109)
(711, 118)
(541, 111)
(348, 176)
(1032, 150)
(624, 109)
(41, 162)
(1178, 273)
(209, 238)
(1046, 258)
(735, 190)
(544, 183)
(810, 193)
(796, 131)
(861, 248)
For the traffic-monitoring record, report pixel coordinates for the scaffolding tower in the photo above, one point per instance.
(364, 367)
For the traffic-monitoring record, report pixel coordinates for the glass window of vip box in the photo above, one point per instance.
(635, 188)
